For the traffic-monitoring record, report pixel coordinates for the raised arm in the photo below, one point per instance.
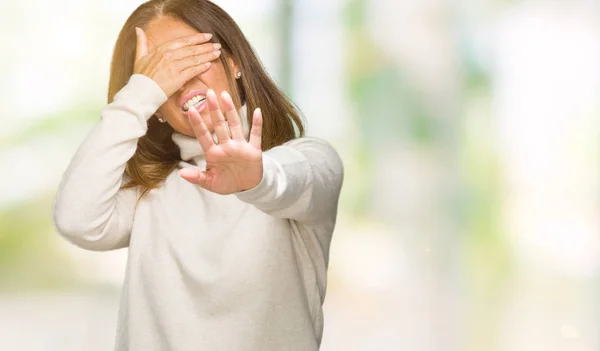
(301, 181)
(89, 209)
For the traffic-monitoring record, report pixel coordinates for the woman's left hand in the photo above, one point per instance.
(232, 164)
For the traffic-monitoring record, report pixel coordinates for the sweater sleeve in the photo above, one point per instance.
(301, 180)
(89, 209)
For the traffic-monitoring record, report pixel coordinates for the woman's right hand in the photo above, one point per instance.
(175, 62)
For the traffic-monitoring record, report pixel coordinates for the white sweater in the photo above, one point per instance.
(245, 271)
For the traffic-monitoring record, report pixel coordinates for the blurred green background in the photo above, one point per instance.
(469, 217)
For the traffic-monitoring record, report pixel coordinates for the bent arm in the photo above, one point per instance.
(301, 180)
(89, 209)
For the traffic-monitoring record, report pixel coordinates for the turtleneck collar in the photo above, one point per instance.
(190, 148)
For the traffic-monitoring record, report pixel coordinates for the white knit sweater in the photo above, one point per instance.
(245, 271)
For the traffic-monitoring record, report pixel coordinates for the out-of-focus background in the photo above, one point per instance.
(469, 217)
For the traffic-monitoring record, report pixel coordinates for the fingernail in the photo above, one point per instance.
(208, 36)
(217, 46)
(208, 64)
(217, 53)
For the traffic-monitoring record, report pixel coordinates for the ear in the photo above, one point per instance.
(233, 67)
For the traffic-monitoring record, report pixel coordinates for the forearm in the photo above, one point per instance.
(86, 200)
(301, 181)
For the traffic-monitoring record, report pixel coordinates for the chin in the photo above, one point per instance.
(184, 128)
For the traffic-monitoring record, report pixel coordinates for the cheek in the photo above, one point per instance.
(215, 78)
(172, 105)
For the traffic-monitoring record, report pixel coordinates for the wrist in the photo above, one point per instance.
(254, 177)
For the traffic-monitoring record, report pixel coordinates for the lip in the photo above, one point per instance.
(200, 107)
(189, 95)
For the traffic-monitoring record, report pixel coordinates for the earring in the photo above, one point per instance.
(239, 74)
(160, 119)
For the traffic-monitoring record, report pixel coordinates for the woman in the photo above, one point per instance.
(227, 215)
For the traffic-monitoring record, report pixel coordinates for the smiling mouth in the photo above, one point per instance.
(195, 101)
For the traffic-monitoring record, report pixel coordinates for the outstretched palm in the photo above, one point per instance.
(232, 164)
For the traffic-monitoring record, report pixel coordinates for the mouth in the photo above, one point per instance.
(192, 98)
(198, 102)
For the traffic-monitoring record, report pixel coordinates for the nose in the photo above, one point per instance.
(185, 87)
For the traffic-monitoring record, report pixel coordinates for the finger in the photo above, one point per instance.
(233, 120)
(194, 176)
(256, 131)
(191, 61)
(202, 50)
(193, 39)
(141, 44)
(200, 130)
(167, 51)
(217, 118)
(192, 71)
(151, 46)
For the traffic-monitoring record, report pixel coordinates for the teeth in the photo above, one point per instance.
(193, 101)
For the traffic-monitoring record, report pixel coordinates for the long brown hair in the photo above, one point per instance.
(157, 155)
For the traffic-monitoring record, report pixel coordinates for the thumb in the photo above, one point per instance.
(141, 44)
(194, 176)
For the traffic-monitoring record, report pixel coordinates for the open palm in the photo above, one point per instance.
(232, 164)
